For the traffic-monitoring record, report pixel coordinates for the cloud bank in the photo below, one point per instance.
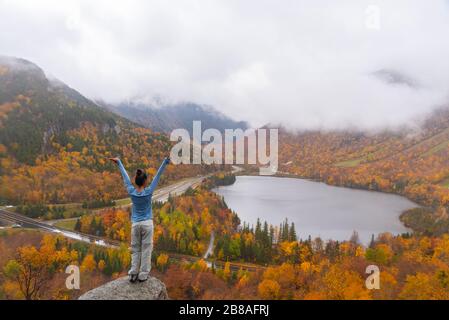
(305, 64)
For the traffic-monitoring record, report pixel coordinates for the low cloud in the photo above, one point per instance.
(305, 64)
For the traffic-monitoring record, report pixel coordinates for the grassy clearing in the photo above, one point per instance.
(71, 209)
(349, 163)
(73, 205)
(123, 202)
(438, 147)
(66, 224)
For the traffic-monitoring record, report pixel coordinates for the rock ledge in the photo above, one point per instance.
(122, 289)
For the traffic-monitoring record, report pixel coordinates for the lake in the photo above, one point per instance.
(316, 209)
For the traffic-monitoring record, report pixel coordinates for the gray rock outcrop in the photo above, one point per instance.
(122, 289)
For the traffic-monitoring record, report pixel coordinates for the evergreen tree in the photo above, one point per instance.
(258, 230)
(101, 229)
(78, 225)
(285, 236)
(93, 226)
(372, 242)
(292, 233)
(266, 236)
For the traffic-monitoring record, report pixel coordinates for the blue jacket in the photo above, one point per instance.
(141, 209)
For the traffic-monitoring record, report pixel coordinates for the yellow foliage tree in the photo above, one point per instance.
(269, 289)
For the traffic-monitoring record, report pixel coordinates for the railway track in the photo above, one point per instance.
(24, 221)
(161, 195)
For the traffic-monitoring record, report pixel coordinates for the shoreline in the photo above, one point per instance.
(293, 176)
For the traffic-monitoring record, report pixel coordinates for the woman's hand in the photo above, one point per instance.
(115, 160)
(167, 160)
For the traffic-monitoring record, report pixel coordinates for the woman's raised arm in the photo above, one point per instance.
(158, 175)
(128, 185)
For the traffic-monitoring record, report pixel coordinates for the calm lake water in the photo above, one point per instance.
(316, 209)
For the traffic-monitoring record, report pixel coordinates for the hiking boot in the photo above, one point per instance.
(143, 276)
(133, 278)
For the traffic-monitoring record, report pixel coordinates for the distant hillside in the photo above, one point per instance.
(54, 142)
(170, 117)
(36, 113)
(411, 161)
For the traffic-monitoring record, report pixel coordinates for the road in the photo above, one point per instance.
(161, 194)
(210, 248)
(24, 221)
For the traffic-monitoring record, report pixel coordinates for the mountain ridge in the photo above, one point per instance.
(413, 163)
(51, 136)
(168, 117)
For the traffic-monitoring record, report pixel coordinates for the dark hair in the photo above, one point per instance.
(141, 177)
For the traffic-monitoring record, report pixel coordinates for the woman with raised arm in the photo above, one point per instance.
(142, 219)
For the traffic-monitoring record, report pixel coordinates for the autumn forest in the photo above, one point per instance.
(54, 145)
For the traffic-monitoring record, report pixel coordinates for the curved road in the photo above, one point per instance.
(210, 248)
(161, 194)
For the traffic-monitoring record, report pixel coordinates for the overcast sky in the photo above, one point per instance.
(301, 63)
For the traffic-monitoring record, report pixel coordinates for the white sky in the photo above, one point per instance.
(301, 63)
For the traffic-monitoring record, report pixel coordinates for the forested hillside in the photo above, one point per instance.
(54, 142)
(173, 116)
(413, 162)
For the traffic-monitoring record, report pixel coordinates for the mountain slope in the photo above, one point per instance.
(412, 162)
(54, 142)
(36, 112)
(170, 117)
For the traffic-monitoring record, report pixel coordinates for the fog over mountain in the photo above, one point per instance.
(305, 64)
(167, 118)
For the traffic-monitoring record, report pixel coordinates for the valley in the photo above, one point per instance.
(54, 145)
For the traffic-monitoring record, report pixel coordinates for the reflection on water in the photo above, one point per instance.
(316, 208)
